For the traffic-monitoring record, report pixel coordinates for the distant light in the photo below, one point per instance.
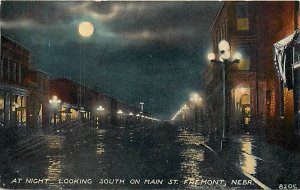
(130, 113)
(100, 108)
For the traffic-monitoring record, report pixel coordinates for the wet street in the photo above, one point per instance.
(145, 157)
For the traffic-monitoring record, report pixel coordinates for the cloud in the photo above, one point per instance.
(168, 22)
(41, 12)
(25, 23)
(146, 51)
(103, 14)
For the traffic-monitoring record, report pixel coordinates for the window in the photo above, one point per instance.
(21, 109)
(73, 114)
(242, 16)
(244, 64)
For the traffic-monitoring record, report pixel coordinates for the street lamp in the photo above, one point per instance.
(224, 60)
(120, 113)
(54, 102)
(196, 100)
(100, 109)
(184, 108)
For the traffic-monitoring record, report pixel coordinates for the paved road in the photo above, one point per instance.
(139, 157)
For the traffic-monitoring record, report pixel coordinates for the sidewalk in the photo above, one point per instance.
(271, 164)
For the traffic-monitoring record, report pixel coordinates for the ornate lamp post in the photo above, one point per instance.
(224, 60)
(55, 105)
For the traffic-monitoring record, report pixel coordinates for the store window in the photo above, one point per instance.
(242, 16)
(21, 109)
(73, 114)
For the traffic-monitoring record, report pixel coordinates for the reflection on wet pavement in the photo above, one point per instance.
(247, 160)
(191, 154)
(110, 158)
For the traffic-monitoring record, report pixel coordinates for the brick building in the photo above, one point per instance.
(38, 84)
(15, 62)
(71, 105)
(251, 28)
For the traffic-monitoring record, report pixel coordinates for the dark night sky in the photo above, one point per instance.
(140, 51)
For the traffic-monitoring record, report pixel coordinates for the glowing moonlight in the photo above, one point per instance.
(86, 29)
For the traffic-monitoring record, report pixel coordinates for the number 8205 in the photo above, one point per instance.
(288, 186)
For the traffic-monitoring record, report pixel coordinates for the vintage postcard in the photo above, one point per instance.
(150, 95)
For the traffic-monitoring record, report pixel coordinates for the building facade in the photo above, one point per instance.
(78, 102)
(70, 106)
(15, 62)
(252, 84)
(38, 84)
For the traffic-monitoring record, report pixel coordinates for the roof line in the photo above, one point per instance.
(10, 39)
(217, 16)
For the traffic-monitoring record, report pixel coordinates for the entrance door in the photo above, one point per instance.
(246, 114)
(246, 110)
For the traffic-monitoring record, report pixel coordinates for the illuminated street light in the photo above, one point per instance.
(131, 114)
(237, 56)
(100, 108)
(54, 102)
(224, 51)
(196, 100)
(120, 112)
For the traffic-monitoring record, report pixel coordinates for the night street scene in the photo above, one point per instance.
(150, 95)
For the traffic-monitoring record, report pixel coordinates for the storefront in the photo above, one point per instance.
(13, 108)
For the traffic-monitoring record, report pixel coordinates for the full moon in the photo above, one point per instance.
(86, 29)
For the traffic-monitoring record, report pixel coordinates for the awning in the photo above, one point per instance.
(283, 58)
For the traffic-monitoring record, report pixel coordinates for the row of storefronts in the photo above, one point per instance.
(30, 98)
